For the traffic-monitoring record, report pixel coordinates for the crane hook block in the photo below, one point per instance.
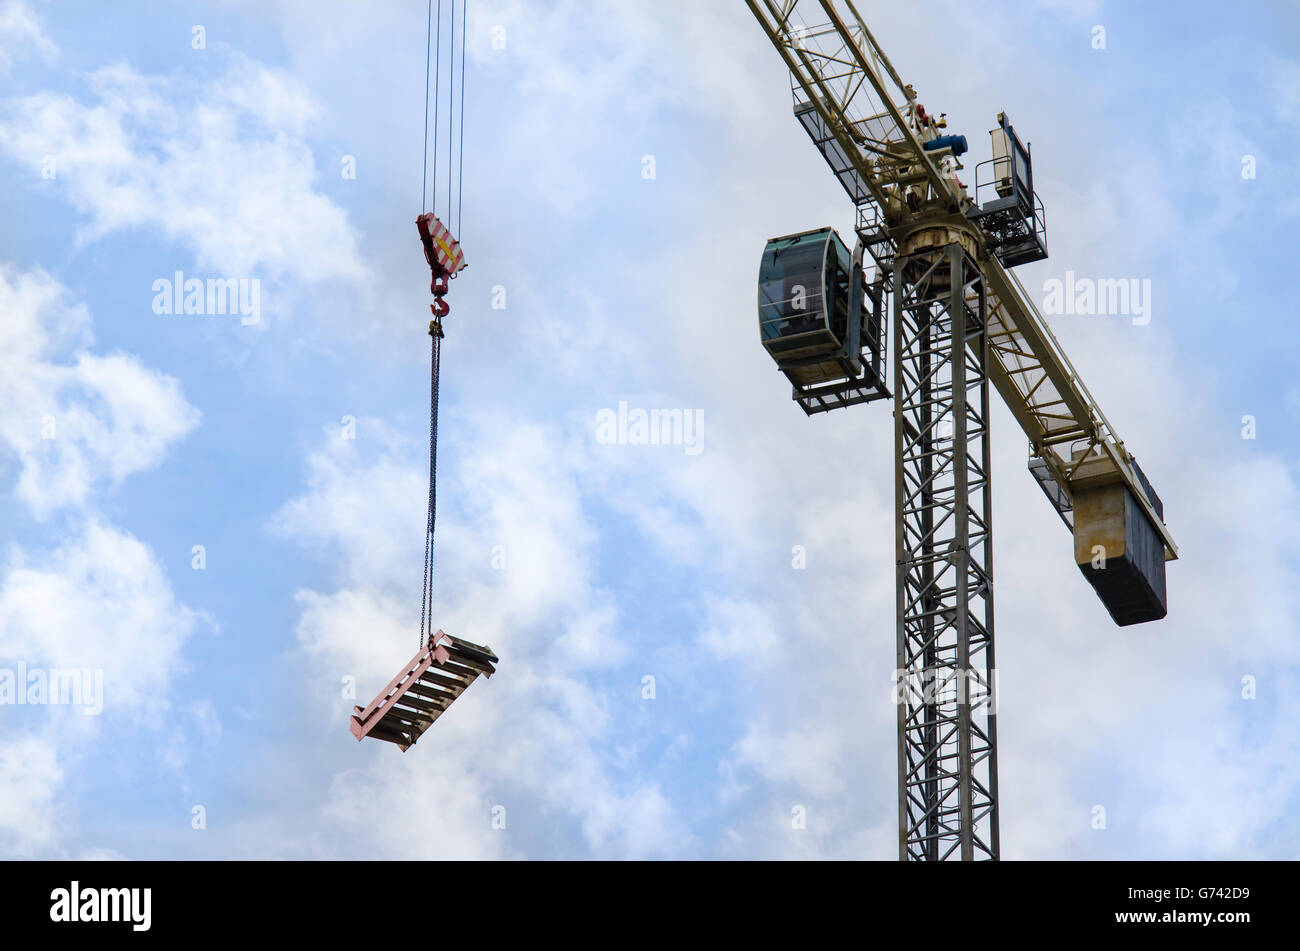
(423, 690)
(441, 250)
(445, 258)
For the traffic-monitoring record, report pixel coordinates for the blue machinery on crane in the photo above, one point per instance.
(961, 321)
(444, 666)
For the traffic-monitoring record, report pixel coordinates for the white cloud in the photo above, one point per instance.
(1074, 9)
(75, 419)
(100, 601)
(808, 760)
(741, 631)
(21, 34)
(223, 168)
(30, 777)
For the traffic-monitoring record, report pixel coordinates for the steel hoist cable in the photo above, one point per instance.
(460, 162)
(428, 60)
(455, 110)
(441, 249)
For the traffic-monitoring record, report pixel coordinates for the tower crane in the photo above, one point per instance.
(962, 322)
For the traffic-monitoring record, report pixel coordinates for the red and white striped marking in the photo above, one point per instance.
(450, 256)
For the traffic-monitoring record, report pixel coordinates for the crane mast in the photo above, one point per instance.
(961, 323)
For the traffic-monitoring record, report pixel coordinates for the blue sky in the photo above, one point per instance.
(223, 686)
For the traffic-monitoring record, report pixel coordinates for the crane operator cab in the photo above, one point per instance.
(820, 321)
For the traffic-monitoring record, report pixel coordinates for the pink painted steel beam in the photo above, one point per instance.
(418, 695)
